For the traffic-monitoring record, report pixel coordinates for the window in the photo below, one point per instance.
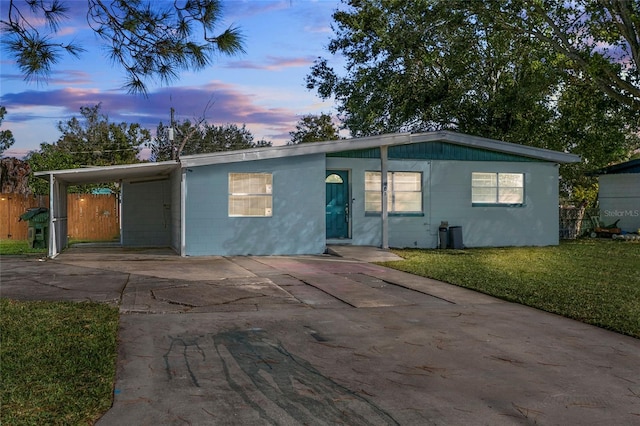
(497, 188)
(333, 178)
(404, 192)
(250, 194)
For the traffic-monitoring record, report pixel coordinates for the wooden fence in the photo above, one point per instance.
(89, 217)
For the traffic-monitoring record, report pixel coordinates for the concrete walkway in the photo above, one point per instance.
(332, 340)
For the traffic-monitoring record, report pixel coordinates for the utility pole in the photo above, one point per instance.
(171, 135)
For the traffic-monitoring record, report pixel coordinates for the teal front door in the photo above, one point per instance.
(337, 183)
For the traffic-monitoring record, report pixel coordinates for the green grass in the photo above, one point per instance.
(593, 281)
(13, 247)
(21, 247)
(57, 362)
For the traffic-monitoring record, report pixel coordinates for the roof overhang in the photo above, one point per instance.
(375, 142)
(496, 145)
(295, 150)
(628, 167)
(150, 171)
(127, 172)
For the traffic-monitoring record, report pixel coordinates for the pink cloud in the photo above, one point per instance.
(69, 77)
(319, 29)
(16, 152)
(230, 105)
(273, 63)
(76, 13)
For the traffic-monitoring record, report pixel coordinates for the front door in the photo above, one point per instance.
(337, 183)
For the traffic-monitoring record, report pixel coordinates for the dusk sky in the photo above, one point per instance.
(263, 88)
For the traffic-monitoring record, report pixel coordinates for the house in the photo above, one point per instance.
(388, 190)
(619, 195)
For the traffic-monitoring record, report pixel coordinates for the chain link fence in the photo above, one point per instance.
(577, 221)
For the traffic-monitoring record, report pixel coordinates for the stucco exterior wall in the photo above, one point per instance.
(619, 196)
(447, 197)
(297, 225)
(298, 222)
(366, 229)
(146, 213)
(533, 224)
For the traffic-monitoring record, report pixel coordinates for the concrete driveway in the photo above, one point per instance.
(332, 340)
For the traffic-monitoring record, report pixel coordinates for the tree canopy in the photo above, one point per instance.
(200, 137)
(600, 39)
(92, 140)
(315, 128)
(428, 65)
(96, 141)
(149, 40)
(6, 136)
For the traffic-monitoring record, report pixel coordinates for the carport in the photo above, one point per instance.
(151, 207)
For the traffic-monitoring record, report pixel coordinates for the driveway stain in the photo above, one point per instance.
(276, 384)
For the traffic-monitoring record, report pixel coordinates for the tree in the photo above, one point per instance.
(428, 65)
(90, 141)
(14, 176)
(202, 138)
(227, 137)
(6, 137)
(95, 141)
(49, 157)
(594, 126)
(315, 128)
(600, 39)
(149, 40)
(165, 148)
(171, 140)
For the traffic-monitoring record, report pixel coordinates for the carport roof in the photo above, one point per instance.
(140, 171)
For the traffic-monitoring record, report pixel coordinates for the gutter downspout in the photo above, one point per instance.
(384, 214)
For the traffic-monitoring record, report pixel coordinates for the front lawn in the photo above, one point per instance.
(58, 362)
(594, 281)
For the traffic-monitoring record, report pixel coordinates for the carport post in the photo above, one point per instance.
(183, 212)
(383, 180)
(52, 229)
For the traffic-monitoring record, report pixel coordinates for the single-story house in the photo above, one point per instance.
(390, 190)
(619, 195)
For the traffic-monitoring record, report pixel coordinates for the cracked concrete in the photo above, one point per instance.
(327, 340)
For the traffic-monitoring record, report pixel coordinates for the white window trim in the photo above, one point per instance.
(392, 194)
(497, 202)
(267, 193)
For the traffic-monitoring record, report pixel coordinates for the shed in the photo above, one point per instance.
(619, 195)
(387, 190)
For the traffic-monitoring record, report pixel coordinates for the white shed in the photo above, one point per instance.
(619, 195)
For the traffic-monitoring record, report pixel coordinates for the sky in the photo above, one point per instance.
(263, 88)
